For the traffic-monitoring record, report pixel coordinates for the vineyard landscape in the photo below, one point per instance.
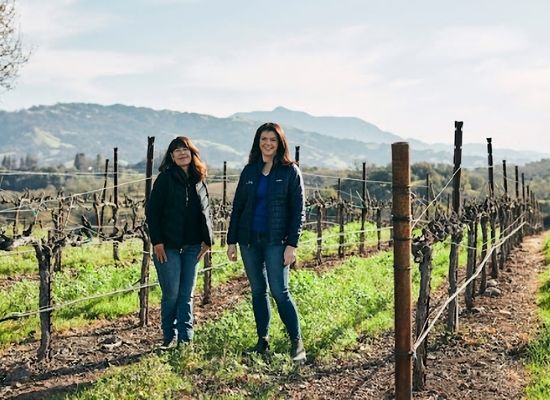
(80, 304)
(423, 266)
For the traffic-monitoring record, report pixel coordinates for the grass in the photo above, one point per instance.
(539, 349)
(22, 263)
(336, 308)
(136, 382)
(90, 270)
(308, 241)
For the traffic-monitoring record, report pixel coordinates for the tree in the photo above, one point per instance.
(80, 162)
(99, 162)
(29, 163)
(12, 55)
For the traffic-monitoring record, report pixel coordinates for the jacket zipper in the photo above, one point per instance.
(186, 195)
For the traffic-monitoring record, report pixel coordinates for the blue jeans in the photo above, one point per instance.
(177, 278)
(264, 267)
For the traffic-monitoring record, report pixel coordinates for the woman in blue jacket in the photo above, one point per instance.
(180, 226)
(266, 220)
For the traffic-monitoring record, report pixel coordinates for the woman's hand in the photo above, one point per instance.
(204, 250)
(232, 252)
(158, 249)
(290, 255)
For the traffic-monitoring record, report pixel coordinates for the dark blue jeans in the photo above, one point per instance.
(177, 278)
(264, 267)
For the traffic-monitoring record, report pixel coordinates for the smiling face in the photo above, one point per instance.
(268, 145)
(182, 157)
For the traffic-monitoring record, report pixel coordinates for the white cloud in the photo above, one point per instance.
(314, 62)
(44, 22)
(79, 70)
(530, 85)
(473, 42)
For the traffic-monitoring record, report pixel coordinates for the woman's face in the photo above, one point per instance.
(182, 157)
(268, 144)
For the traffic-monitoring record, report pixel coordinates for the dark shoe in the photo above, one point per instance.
(297, 351)
(261, 347)
(165, 345)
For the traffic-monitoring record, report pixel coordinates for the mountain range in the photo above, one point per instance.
(55, 134)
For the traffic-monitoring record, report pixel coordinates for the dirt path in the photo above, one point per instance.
(483, 361)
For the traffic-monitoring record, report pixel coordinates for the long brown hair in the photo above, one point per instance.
(282, 156)
(197, 168)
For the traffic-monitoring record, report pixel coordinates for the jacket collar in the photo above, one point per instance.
(179, 175)
(258, 165)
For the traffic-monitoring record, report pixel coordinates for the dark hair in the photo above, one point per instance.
(197, 168)
(282, 155)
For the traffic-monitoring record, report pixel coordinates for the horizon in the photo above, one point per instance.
(405, 139)
(411, 74)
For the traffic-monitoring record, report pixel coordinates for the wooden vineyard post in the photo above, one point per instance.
(401, 195)
(503, 217)
(517, 181)
(116, 255)
(318, 253)
(523, 208)
(224, 192)
(341, 237)
(144, 278)
(338, 199)
(207, 289)
(492, 210)
(223, 225)
(363, 211)
(529, 214)
(456, 238)
(428, 200)
(103, 196)
(379, 227)
(517, 209)
(484, 220)
(471, 262)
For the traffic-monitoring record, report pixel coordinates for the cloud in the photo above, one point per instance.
(52, 20)
(475, 42)
(529, 84)
(313, 61)
(80, 70)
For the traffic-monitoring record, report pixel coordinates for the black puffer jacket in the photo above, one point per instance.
(166, 211)
(285, 205)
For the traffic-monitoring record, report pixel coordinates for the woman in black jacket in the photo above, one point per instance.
(266, 221)
(180, 226)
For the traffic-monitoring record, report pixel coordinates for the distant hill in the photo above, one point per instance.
(55, 134)
(340, 127)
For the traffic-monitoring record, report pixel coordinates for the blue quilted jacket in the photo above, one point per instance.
(285, 205)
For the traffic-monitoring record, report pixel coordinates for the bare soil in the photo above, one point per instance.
(484, 360)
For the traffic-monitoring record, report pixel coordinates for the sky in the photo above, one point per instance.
(410, 67)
